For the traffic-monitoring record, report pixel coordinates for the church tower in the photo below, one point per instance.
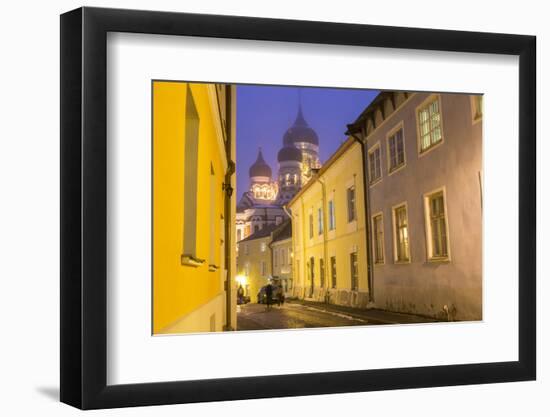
(302, 137)
(261, 185)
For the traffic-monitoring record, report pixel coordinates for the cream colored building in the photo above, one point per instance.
(329, 239)
(281, 256)
(254, 262)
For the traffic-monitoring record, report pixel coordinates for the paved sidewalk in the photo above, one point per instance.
(373, 316)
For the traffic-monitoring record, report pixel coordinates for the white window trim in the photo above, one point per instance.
(427, 226)
(394, 229)
(372, 149)
(429, 99)
(390, 133)
(381, 214)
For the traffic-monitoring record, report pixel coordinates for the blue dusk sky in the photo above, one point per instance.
(264, 113)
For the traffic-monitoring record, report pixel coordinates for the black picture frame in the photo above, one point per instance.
(84, 207)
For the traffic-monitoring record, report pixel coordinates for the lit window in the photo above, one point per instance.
(354, 270)
(378, 235)
(436, 223)
(263, 246)
(401, 229)
(375, 170)
(320, 221)
(396, 150)
(351, 203)
(331, 218)
(429, 125)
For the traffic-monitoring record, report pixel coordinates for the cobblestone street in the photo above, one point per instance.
(295, 315)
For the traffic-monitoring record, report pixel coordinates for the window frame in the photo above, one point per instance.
(352, 269)
(394, 233)
(374, 238)
(430, 99)
(333, 272)
(391, 133)
(428, 226)
(372, 150)
(354, 219)
(331, 215)
(320, 221)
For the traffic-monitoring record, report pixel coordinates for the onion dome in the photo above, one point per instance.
(260, 168)
(289, 153)
(300, 131)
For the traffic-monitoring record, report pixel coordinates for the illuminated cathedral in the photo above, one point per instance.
(263, 204)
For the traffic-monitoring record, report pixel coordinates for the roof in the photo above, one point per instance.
(260, 168)
(284, 231)
(263, 232)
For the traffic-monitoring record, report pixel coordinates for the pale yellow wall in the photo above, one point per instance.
(177, 289)
(340, 242)
(255, 256)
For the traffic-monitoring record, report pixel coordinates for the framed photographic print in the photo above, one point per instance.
(258, 208)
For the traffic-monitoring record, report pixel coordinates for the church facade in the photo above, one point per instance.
(263, 204)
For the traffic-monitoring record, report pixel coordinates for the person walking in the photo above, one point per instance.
(268, 295)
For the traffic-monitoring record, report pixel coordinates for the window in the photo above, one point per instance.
(319, 221)
(429, 125)
(436, 223)
(278, 219)
(333, 270)
(190, 181)
(331, 218)
(239, 234)
(310, 225)
(246, 249)
(401, 229)
(477, 107)
(275, 257)
(354, 271)
(213, 195)
(351, 203)
(256, 228)
(262, 268)
(396, 150)
(378, 235)
(263, 246)
(375, 170)
(322, 272)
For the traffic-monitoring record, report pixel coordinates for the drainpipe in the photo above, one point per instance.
(325, 238)
(292, 241)
(227, 210)
(352, 130)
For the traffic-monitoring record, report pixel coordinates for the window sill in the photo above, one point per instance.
(431, 148)
(444, 260)
(376, 181)
(397, 168)
(190, 260)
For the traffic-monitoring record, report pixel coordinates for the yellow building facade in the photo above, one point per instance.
(254, 264)
(193, 145)
(329, 237)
